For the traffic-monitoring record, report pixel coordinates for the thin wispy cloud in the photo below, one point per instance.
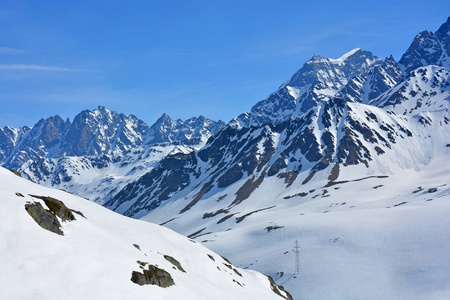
(8, 50)
(39, 68)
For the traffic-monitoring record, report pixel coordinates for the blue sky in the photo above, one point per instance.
(184, 58)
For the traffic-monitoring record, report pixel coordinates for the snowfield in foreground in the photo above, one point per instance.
(95, 255)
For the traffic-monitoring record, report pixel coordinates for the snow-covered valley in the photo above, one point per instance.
(361, 238)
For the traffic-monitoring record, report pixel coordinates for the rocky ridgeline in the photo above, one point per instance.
(332, 113)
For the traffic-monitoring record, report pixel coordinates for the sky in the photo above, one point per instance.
(183, 58)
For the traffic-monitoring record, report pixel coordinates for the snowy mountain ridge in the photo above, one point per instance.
(88, 252)
(356, 72)
(92, 155)
(428, 48)
(319, 79)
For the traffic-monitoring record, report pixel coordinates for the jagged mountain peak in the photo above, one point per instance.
(356, 54)
(164, 120)
(444, 30)
(389, 60)
(103, 135)
(358, 76)
(102, 131)
(163, 117)
(349, 64)
(428, 48)
(165, 129)
(318, 80)
(317, 57)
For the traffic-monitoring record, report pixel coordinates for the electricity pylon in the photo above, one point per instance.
(297, 258)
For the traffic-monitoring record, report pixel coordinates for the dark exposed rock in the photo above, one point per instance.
(16, 173)
(165, 222)
(334, 174)
(225, 218)
(379, 150)
(174, 262)
(367, 86)
(309, 177)
(57, 207)
(215, 213)
(237, 282)
(226, 259)
(142, 263)
(301, 194)
(237, 272)
(193, 235)
(240, 219)
(279, 164)
(273, 227)
(231, 176)
(289, 177)
(206, 188)
(229, 266)
(44, 217)
(177, 178)
(244, 192)
(279, 290)
(47, 218)
(331, 183)
(154, 276)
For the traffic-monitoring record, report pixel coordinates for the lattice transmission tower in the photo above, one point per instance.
(297, 258)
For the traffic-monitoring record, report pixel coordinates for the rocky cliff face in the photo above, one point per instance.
(193, 130)
(428, 48)
(371, 84)
(330, 136)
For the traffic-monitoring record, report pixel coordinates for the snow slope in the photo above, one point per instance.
(361, 237)
(96, 256)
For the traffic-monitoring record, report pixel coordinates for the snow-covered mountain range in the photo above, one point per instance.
(349, 157)
(55, 245)
(99, 151)
(353, 110)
